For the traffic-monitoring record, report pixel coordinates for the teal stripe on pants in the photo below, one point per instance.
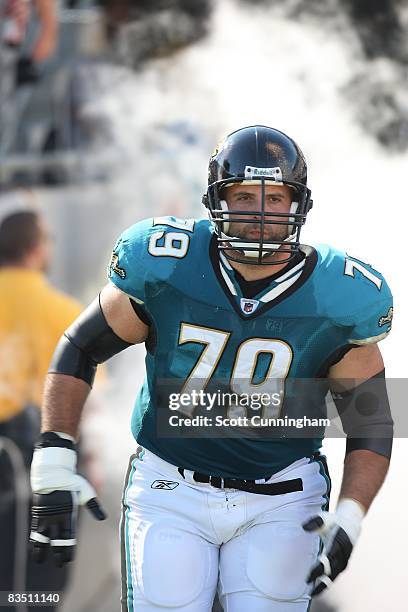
(127, 589)
(324, 471)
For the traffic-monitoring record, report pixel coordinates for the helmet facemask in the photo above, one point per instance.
(258, 252)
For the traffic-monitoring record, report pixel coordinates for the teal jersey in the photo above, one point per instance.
(203, 330)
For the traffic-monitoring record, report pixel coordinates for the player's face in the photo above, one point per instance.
(278, 198)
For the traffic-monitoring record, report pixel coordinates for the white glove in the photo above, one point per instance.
(57, 492)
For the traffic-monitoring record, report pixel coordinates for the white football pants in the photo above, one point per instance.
(182, 539)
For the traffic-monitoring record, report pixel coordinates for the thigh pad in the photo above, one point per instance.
(170, 566)
(280, 556)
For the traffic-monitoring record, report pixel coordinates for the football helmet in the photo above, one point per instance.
(257, 155)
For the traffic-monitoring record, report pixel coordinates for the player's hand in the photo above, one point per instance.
(57, 492)
(339, 532)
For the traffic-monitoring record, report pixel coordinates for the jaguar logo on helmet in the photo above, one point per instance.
(217, 148)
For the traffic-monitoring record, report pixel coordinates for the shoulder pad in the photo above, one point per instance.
(152, 250)
(355, 295)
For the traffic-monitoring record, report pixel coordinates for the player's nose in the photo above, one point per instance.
(256, 208)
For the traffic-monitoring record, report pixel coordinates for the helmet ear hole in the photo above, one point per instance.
(224, 226)
(294, 207)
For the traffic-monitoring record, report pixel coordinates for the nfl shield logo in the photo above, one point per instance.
(248, 306)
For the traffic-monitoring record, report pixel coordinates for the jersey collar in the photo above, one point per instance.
(281, 285)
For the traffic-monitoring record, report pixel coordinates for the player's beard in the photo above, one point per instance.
(251, 232)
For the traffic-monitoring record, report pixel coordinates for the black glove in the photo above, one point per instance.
(57, 492)
(339, 532)
(27, 72)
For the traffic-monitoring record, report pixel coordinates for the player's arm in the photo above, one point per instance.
(106, 327)
(359, 391)
(367, 457)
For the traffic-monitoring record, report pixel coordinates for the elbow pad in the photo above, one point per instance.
(366, 416)
(88, 342)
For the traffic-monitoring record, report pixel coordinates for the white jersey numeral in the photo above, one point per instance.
(352, 265)
(243, 370)
(175, 244)
(214, 341)
(273, 383)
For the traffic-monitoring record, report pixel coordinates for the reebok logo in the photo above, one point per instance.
(272, 174)
(167, 485)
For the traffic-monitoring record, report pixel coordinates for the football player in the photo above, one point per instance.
(235, 302)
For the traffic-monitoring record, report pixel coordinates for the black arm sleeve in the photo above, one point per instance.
(88, 342)
(366, 416)
(141, 312)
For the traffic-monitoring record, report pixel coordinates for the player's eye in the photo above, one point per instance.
(243, 198)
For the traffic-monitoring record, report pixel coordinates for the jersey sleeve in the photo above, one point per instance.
(127, 266)
(373, 321)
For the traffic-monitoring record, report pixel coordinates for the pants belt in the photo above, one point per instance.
(250, 486)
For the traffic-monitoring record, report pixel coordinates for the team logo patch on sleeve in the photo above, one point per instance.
(386, 318)
(114, 267)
